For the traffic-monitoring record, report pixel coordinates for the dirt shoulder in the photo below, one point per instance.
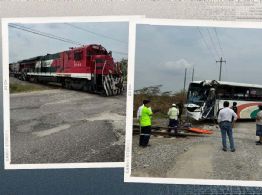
(200, 157)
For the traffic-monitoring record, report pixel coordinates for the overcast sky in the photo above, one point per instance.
(24, 45)
(163, 52)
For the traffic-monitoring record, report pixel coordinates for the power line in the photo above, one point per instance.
(219, 43)
(119, 52)
(221, 60)
(213, 43)
(23, 28)
(94, 33)
(45, 34)
(222, 54)
(48, 35)
(204, 40)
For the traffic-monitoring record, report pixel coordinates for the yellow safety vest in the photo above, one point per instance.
(145, 118)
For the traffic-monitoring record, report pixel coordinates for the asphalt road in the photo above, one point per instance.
(66, 126)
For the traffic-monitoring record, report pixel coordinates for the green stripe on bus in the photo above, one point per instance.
(253, 114)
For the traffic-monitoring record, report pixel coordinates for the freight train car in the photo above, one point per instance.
(89, 68)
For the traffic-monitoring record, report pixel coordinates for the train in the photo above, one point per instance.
(89, 68)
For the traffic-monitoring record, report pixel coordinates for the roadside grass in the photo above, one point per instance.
(19, 88)
(159, 103)
(159, 115)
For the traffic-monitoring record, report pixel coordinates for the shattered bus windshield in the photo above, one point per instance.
(196, 94)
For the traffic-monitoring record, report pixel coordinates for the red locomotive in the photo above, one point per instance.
(89, 68)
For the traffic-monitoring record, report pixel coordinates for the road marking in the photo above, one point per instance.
(51, 131)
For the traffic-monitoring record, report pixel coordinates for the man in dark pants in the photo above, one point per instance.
(259, 125)
(145, 123)
(173, 114)
(225, 123)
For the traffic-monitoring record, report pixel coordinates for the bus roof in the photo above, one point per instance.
(230, 83)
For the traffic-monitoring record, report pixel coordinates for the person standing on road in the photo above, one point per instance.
(173, 113)
(234, 108)
(180, 107)
(225, 123)
(145, 124)
(139, 111)
(259, 125)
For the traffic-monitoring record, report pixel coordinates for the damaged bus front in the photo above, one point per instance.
(205, 98)
(201, 101)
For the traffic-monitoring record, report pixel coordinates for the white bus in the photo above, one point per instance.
(205, 98)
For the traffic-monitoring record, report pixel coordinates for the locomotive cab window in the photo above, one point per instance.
(78, 55)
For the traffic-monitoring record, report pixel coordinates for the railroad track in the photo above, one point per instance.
(163, 131)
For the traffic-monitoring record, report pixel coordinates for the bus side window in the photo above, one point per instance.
(253, 94)
(220, 93)
(247, 95)
(240, 93)
(259, 94)
(227, 93)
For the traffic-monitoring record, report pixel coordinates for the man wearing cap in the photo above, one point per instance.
(173, 113)
(225, 123)
(145, 124)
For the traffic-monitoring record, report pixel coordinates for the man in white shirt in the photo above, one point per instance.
(139, 111)
(225, 123)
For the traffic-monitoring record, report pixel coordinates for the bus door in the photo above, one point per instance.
(209, 107)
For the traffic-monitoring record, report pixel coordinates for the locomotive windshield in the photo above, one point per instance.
(96, 52)
(100, 60)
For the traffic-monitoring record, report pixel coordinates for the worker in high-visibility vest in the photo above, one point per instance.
(173, 113)
(140, 110)
(145, 123)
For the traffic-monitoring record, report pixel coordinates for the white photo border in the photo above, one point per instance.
(6, 92)
(130, 100)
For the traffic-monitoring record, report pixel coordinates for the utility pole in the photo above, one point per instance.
(220, 61)
(185, 80)
(193, 73)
